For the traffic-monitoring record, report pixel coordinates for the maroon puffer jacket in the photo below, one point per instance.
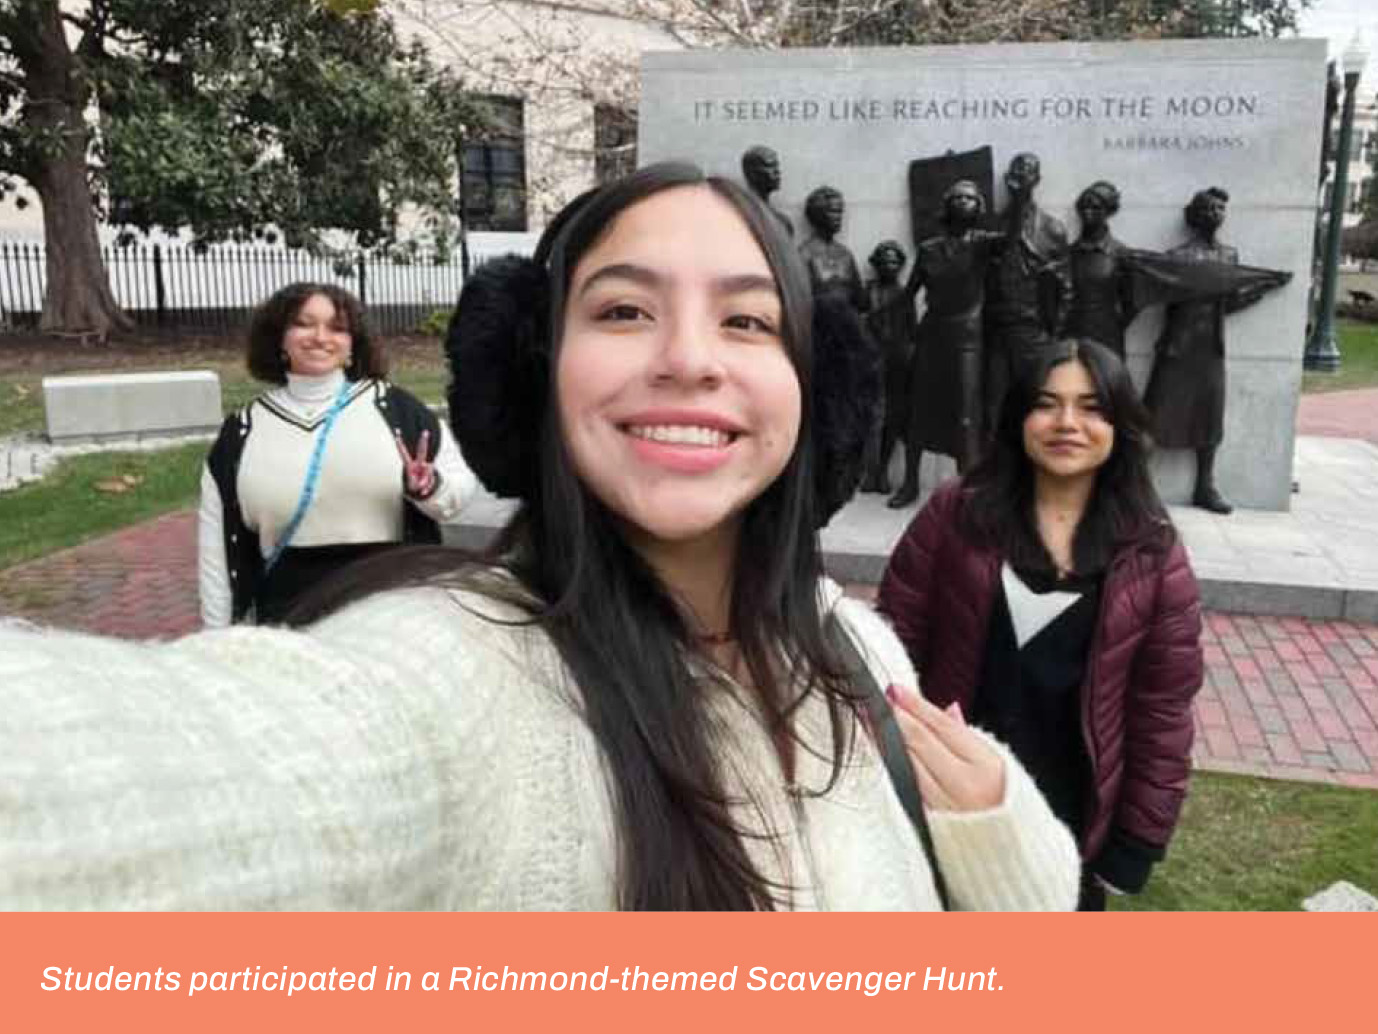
(1145, 664)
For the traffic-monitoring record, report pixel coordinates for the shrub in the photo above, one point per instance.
(435, 322)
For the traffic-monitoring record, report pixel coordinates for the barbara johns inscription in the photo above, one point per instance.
(1229, 114)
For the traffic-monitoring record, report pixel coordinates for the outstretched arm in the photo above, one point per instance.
(914, 283)
(1261, 283)
(249, 768)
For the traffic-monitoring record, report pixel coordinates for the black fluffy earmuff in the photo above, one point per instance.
(498, 347)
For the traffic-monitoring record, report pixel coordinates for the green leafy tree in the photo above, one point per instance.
(1187, 19)
(229, 119)
(827, 23)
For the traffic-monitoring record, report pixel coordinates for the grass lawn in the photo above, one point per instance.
(1358, 344)
(67, 507)
(1263, 845)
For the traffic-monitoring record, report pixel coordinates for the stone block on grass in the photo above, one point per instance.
(106, 406)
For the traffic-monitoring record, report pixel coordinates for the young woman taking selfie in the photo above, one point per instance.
(641, 698)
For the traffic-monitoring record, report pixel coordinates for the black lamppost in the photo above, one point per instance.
(1321, 351)
(463, 208)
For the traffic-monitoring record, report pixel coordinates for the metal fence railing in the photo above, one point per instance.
(215, 288)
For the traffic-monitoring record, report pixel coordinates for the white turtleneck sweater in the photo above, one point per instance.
(358, 496)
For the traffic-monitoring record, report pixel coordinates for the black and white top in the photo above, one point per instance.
(1029, 695)
(254, 477)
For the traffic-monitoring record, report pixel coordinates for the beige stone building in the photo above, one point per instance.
(1363, 146)
(560, 79)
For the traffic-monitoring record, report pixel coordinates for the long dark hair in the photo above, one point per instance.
(1124, 506)
(625, 641)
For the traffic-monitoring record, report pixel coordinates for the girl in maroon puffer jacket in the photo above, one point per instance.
(1048, 594)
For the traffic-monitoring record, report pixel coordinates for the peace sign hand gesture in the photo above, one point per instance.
(956, 769)
(419, 475)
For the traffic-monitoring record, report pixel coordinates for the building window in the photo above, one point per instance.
(493, 167)
(614, 142)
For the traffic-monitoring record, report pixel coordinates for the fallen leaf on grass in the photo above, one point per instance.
(117, 486)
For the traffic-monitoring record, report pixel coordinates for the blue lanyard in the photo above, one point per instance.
(313, 473)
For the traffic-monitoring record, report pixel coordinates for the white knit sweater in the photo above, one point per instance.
(410, 753)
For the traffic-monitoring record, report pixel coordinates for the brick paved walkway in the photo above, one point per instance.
(1290, 698)
(1340, 414)
(138, 583)
(1284, 697)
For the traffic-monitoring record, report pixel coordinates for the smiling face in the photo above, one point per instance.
(678, 402)
(318, 340)
(1066, 433)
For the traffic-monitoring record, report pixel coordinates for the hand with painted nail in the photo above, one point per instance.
(418, 471)
(956, 769)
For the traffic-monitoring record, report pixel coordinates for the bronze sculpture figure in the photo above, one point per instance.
(832, 269)
(761, 170)
(944, 407)
(893, 324)
(1029, 291)
(1186, 389)
(1103, 297)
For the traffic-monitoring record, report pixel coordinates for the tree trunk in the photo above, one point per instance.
(77, 299)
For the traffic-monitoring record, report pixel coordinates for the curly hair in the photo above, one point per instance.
(887, 247)
(265, 357)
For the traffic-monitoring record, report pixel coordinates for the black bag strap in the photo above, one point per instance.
(890, 743)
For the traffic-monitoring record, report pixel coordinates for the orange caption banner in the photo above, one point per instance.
(1125, 972)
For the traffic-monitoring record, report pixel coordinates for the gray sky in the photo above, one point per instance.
(1336, 21)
